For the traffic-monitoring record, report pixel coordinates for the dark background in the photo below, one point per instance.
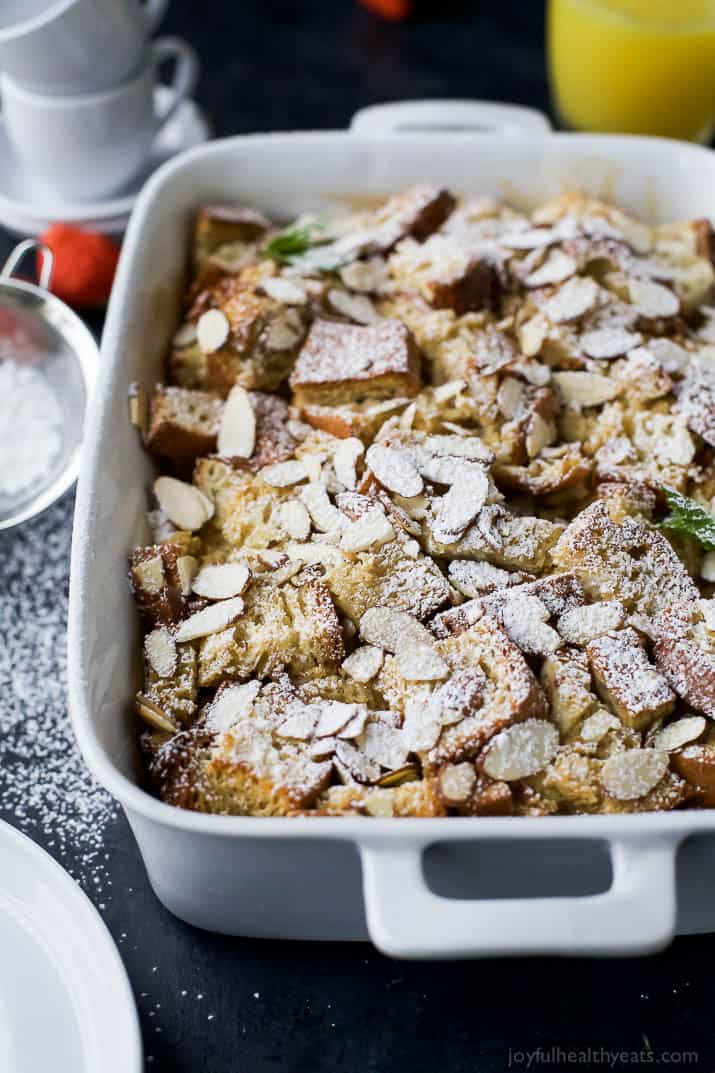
(214, 1005)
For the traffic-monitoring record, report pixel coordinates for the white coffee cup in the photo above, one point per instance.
(87, 146)
(75, 46)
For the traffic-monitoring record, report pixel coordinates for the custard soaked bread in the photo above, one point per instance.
(433, 535)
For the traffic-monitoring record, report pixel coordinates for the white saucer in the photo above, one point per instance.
(27, 208)
(65, 1000)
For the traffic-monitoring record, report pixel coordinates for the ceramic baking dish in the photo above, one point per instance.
(419, 888)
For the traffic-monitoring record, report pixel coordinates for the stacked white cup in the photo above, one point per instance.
(78, 89)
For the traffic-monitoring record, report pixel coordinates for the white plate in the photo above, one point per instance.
(28, 208)
(65, 1000)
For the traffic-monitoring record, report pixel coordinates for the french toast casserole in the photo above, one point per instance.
(432, 534)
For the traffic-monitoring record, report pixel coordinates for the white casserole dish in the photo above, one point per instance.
(300, 878)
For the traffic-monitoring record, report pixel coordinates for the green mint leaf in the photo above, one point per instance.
(292, 242)
(689, 518)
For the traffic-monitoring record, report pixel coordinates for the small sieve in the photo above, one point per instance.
(40, 332)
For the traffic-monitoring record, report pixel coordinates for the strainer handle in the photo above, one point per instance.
(18, 254)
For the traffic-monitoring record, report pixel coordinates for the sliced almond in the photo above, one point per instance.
(212, 330)
(557, 267)
(364, 663)
(288, 291)
(185, 336)
(389, 629)
(460, 506)
(653, 300)
(572, 300)
(345, 460)
(680, 733)
(457, 782)
(149, 575)
(421, 728)
(353, 765)
(539, 434)
(633, 773)
(605, 343)
(313, 467)
(160, 649)
(295, 519)
(371, 531)
(421, 663)
(325, 516)
(301, 722)
(231, 705)
(183, 503)
(510, 398)
(210, 620)
(596, 726)
(284, 332)
(532, 335)
(521, 750)
(447, 392)
(585, 389)
(325, 554)
(284, 474)
(531, 238)
(525, 620)
(394, 470)
(237, 429)
(583, 624)
(368, 276)
(220, 581)
(152, 714)
(335, 716)
(356, 306)
(186, 567)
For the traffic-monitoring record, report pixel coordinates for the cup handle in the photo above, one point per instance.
(186, 71)
(153, 12)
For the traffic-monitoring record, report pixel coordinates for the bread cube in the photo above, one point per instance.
(341, 363)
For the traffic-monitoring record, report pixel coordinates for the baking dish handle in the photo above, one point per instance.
(460, 116)
(635, 916)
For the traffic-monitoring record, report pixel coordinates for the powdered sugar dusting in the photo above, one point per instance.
(45, 788)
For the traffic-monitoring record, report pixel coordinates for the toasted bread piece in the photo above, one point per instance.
(571, 780)
(624, 677)
(217, 225)
(629, 561)
(417, 798)
(508, 691)
(696, 401)
(183, 423)
(264, 337)
(158, 574)
(685, 653)
(360, 419)
(559, 593)
(566, 680)
(417, 211)
(292, 627)
(445, 274)
(342, 362)
(176, 693)
(393, 575)
(502, 538)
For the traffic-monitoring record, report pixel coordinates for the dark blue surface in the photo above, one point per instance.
(213, 1005)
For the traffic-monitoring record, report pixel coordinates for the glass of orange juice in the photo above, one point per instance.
(634, 66)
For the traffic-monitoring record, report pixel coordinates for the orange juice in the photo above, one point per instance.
(634, 66)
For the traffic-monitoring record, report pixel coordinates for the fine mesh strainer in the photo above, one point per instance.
(41, 332)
